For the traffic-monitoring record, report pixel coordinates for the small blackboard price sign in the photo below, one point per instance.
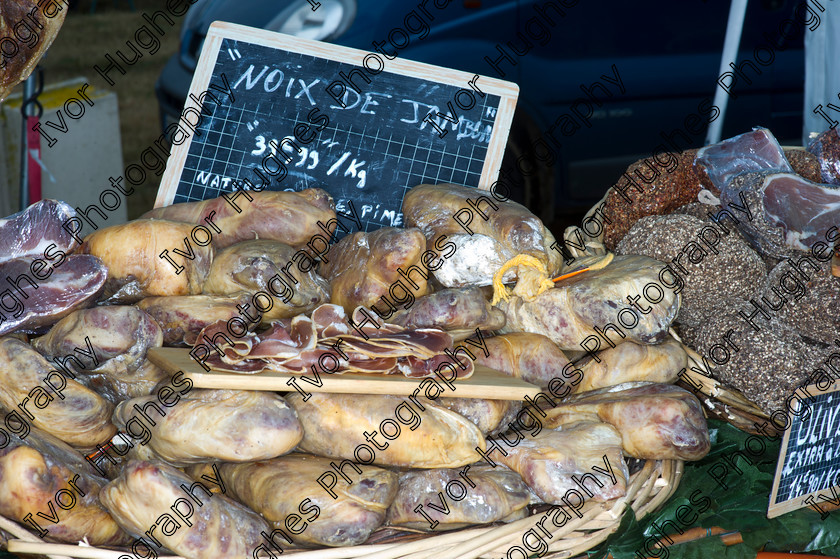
(808, 470)
(357, 124)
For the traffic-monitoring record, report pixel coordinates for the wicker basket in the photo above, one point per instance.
(647, 489)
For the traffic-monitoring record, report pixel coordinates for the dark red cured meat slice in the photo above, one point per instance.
(218, 335)
(310, 358)
(412, 367)
(330, 320)
(428, 339)
(805, 210)
(363, 349)
(278, 343)
(393, 349)
(30, 232)
(378, 365)
(278, 331)
(432, 340)
(303, 332)
(73, 285)
(247, 367)
(750, 152)
(271, 349)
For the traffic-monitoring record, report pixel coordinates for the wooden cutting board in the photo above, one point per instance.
(484, 383)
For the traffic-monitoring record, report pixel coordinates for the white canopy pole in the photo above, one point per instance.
(737, 14)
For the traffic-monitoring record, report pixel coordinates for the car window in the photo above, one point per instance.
(594, 29)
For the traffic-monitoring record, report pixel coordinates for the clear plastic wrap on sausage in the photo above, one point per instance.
(53, 401)
(432, 437)
(40, 471)
(293, 218)
(656, 421)
(254, 266)
(111, 344)
(199, 425)
(338, 513)
(476, 494)
(142, 260)
(181, 513)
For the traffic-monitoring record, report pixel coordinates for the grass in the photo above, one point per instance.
(83, 42)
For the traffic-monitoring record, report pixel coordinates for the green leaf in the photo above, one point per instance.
(738, 489)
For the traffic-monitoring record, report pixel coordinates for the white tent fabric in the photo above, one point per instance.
(822, 74)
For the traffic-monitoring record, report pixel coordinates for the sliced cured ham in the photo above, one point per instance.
(28, 234)
(326, 342)
(804, 210)
(781, 213)
(73, 285)
(289, 217)
(413, 367)
(753, 151)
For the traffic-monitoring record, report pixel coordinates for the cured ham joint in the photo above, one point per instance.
(203, 239)
(476, 205)
(214, 526)
(167, 395)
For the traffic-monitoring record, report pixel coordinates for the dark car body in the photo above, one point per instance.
(666, 53)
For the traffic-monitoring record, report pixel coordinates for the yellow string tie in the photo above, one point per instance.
(530, 283)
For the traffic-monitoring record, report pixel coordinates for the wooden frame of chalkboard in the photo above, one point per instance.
(798, 468)
(382, 141)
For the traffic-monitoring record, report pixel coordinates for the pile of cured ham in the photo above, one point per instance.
(249, 286)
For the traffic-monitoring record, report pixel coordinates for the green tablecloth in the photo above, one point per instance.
(741, 506)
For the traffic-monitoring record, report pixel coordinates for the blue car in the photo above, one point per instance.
(603, 83)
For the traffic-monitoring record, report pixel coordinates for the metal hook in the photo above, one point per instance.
(33, 100)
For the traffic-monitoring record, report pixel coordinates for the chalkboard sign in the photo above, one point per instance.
(808, 470)
(304, 110)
